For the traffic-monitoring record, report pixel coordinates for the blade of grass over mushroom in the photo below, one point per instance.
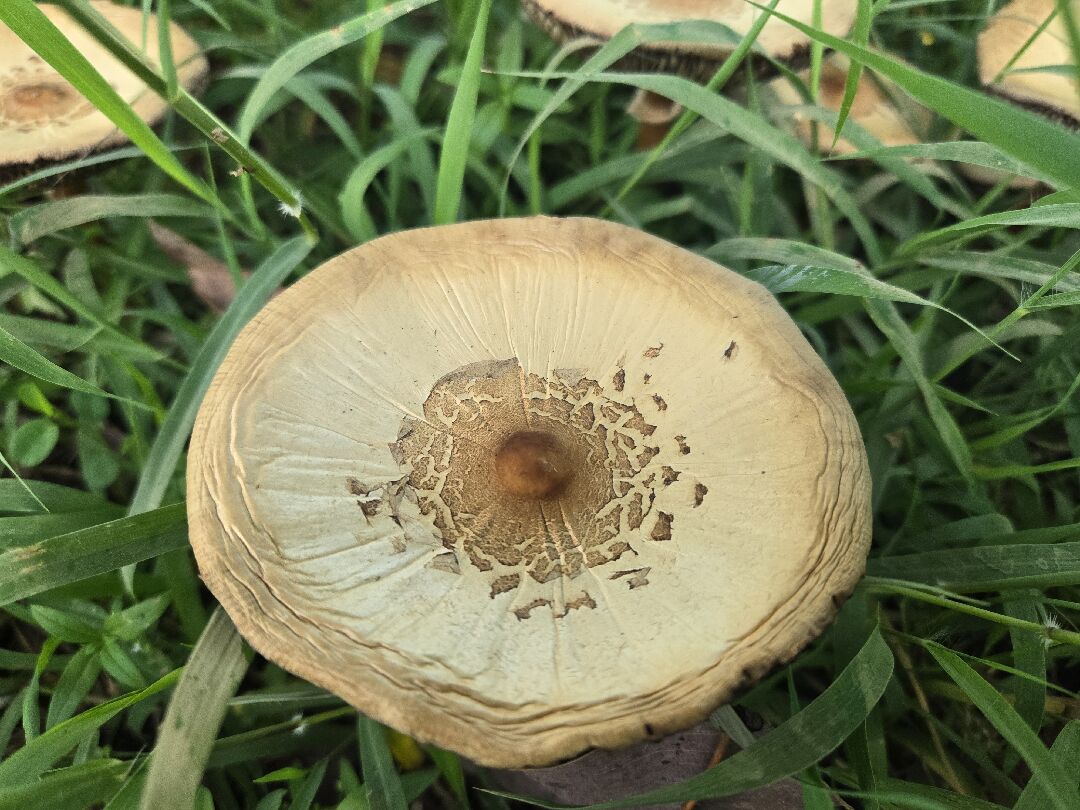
(381, 779)
(210, 678)
(860, 35)
(111, 156)
(743, 124)
(793, 745)
(27, 764)
(36, 30)
(459, 124)
(311, 49)
(630, 37)
(168, 64)
(51, 217)
(61, 560)
(1047, 771)
(1028, 137)
(199, 116)
(976, 153)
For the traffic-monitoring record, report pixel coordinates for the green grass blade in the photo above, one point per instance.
(71, 557)
(792, 746)
(1029, 657)
(17, 354)
(751, 128)
(35, 29)
(311, 49)
(1058, 786)
(28, 763)
(187, 735)
(839, 281)
(887, 319)
(72, 788)
(1062, 215)
(1066, 750)
(161, 463)
(381, 779)
(1043, 145)
(987, 568)
(459, 125)
(52, 217)
(860, 35)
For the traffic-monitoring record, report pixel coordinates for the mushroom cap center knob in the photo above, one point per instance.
(533, 464)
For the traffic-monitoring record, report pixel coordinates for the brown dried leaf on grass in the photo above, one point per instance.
(210, 278)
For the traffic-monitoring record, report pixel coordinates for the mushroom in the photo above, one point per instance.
(42, 117)
(602, 19)
(1019, 78)
(872, 109)
(525, 487)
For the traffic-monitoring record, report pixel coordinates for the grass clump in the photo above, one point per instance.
(947, 311)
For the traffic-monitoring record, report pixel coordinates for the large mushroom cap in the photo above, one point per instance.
(523, 487)
(43, 117)
(1049, 91)
(604, 18)
(873, 108)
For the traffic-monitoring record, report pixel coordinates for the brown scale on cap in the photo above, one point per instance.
(546, 476)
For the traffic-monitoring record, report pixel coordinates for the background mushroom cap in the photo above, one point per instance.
(345, 508)
(605, 18)
(1052, 92)
(873, 107)
(43, 117)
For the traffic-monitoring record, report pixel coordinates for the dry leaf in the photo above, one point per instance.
(210, 278)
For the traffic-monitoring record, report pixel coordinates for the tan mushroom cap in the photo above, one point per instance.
(1052, 92)
(873, 107)
(525, 487)
(604, 18)
(43, 117)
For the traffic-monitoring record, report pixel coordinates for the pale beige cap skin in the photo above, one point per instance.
(1006, 33)
(42, 117)
(872, 108)
(604, 18)
(525, 487)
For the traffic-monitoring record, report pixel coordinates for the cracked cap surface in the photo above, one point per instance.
(525, 487)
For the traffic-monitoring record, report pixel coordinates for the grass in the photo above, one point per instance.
(947, 310)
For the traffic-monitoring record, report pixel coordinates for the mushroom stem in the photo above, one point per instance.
(655, 113)
(600, 776)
